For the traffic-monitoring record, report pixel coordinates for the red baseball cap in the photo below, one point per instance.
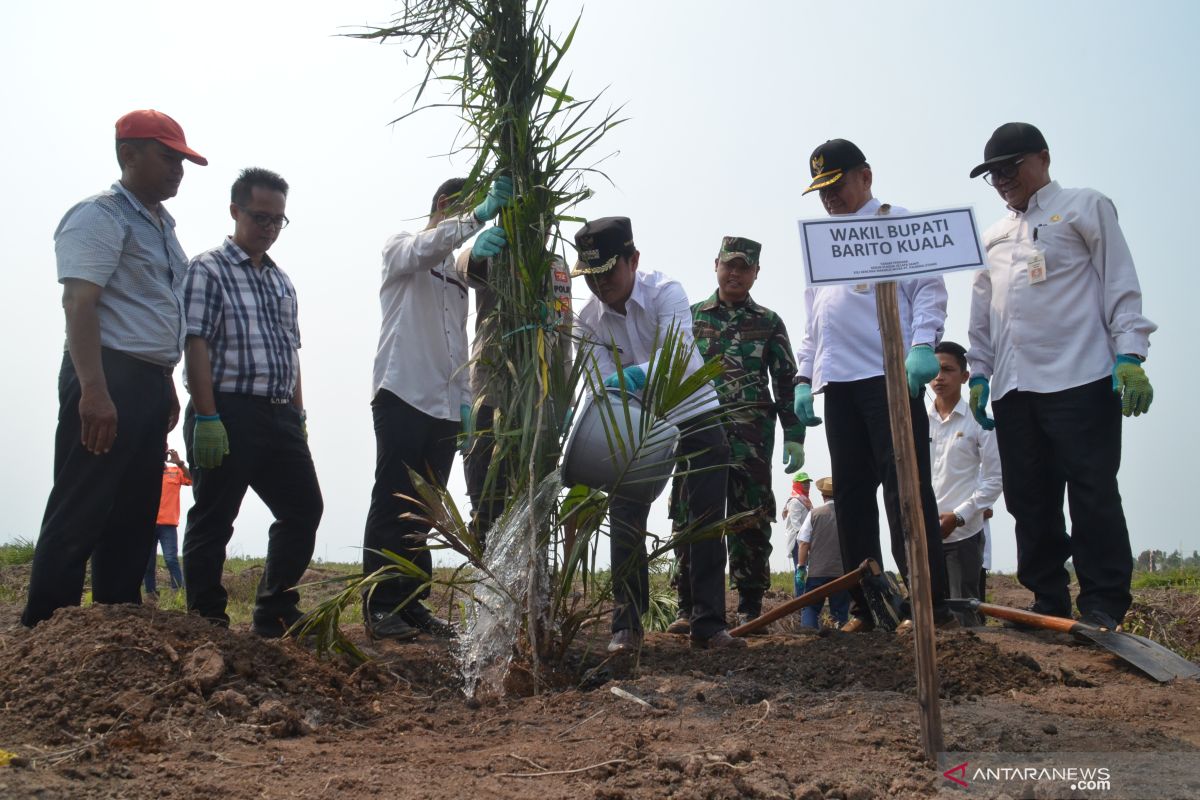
(151, 124)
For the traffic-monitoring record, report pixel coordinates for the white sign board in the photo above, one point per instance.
(889, 247)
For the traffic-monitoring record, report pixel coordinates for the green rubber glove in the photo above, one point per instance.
(635, 379)
(793, 456)
(803, 406)
(799, 579)
(467, 415)
(979, 393)
(489, 244)
(210, 441)
(498, 197)
(1130, 382)
(922, 366)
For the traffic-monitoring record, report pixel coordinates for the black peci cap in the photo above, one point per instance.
(1011, 140)
(832, 160)
(600, 243)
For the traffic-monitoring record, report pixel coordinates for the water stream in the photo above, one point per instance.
(497, 615)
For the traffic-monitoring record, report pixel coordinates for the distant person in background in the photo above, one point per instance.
(122, 271)
(966, 477)
(1057, 341)
(175, 475)
(421, 395)
(795, 511)
(841, 355)
(246, 427)
(819, 555)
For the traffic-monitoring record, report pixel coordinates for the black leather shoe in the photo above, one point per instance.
(858, 625)
(624, 642)
(421, 618)
(274, 625)
(680, 627)
(389, 626)
(1101, 620)
(721, 640)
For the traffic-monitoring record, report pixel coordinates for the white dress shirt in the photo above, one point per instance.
(1065, 330)
(656, 303)
(841, 333)
(966, 468)
(795, 511)
(422, 356)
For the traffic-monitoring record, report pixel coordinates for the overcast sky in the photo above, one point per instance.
(725, 102)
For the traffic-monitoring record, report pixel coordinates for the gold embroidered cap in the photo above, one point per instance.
(600, 243)
(830, 161)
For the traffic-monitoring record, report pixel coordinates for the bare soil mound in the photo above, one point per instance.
(131, 702)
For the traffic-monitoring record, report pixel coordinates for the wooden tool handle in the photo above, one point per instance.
(853, 578)
(1030, 618)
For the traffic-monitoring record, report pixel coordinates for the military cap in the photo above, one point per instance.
(600, 243)
(739, 247)
(1009, 141)
(832, 160)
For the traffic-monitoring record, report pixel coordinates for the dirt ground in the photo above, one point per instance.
(133, 702)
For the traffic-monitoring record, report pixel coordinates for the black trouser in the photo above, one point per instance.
(269, 454)
(859, 434)
(484, 510)
(102, 506)
(1066, 440)
(703, 437)
(964, 564)
(404, 438)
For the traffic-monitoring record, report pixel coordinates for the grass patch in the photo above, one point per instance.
(18, 551)
(1184, 578)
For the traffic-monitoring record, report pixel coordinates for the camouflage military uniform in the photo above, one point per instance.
(752, 342)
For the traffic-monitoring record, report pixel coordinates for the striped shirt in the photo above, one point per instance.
(112, 241)
(247, 315)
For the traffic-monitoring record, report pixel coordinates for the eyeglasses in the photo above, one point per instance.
(266, 220)
(1003, 172)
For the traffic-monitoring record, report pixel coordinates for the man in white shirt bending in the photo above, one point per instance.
(841, 355)
(621, 329)
(966, 476)
(419, 393)
(1057, 341)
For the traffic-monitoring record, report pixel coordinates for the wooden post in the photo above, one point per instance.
(911, 515)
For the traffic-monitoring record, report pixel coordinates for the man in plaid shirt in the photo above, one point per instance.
(245, 425)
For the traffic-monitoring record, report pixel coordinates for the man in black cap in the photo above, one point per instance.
(621, 331)
(841, 355)
(1057, 340)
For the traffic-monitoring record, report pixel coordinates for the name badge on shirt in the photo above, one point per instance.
(1037, 268)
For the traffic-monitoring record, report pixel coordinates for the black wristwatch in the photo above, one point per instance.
(959, 521)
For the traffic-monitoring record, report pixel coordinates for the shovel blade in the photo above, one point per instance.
(1150, 657)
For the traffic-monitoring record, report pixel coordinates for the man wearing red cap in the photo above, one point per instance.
(122, 271)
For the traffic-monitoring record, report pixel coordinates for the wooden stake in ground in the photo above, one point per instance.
(911, 516)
